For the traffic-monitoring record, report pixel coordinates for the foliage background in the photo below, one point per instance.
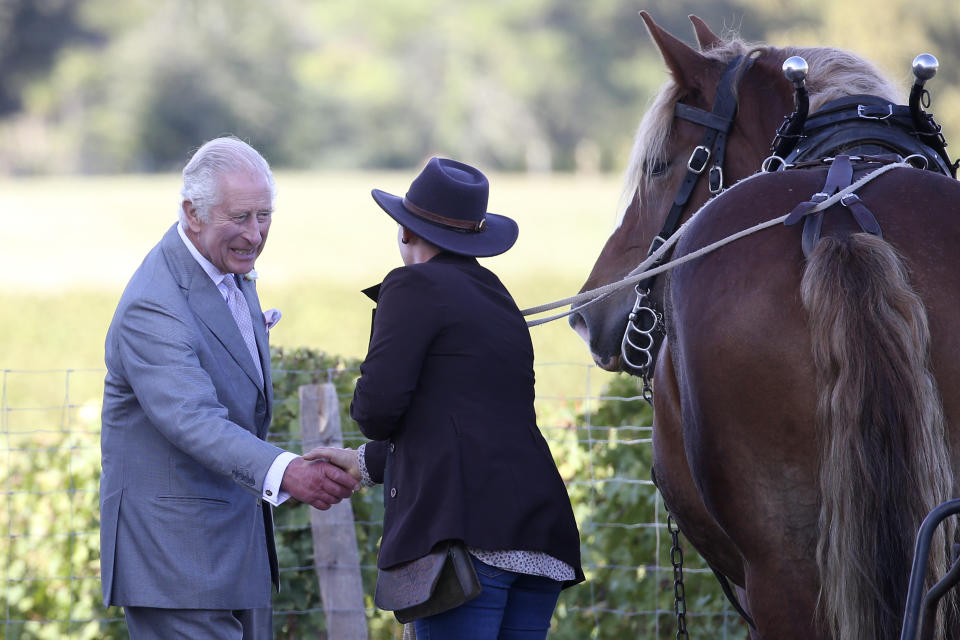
(96, 86)
(51, 552)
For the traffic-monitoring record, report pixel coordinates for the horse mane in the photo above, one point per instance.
(834, 73)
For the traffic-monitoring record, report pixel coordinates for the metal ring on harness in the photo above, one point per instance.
(642, 323)
(918, 160)
(769, 160)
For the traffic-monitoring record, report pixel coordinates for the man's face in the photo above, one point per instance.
(236, 231)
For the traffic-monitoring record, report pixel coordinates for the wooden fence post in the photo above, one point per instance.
(334, 537)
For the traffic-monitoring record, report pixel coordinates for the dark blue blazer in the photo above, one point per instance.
(446, 392)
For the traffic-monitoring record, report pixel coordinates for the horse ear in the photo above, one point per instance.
(707, 38)
(687, 65)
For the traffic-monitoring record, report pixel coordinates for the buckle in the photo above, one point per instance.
(862, 112)
(849, 199)
(716, 179)
(697, 163)
(655, 244)
(819, 197)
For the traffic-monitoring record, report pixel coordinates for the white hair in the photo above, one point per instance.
(216, 158)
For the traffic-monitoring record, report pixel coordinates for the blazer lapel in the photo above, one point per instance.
(208, 304)
(374, 294)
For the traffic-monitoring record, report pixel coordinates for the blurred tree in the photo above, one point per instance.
(31, 34)
(539, 85)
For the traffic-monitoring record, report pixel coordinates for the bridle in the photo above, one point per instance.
(645, 329)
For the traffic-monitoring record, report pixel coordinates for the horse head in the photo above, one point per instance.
(666, 140)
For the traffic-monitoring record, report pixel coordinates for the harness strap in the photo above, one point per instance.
(811, 212)
(867, 108)
(731, 596)
(861, 214)
(712, 143)
(699, 116)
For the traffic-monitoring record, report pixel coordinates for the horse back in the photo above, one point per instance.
(740, 337)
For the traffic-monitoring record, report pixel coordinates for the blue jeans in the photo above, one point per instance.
(511, 606)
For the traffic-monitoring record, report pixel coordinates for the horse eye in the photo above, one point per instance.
(655, 168)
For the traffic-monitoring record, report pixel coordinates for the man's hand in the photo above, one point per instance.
(319, 484)
(346, 459)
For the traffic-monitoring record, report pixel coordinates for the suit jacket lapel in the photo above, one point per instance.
(208, 304)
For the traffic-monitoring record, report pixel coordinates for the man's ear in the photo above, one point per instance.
(193, 220)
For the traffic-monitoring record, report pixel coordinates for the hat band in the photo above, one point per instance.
(465, 225)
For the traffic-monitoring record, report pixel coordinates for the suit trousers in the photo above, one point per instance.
(148, 623)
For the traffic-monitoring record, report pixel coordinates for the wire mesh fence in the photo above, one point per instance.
(49, 550)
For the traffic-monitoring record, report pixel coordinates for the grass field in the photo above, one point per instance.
(70, 244)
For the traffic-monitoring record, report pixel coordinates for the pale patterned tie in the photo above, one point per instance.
(241, 314)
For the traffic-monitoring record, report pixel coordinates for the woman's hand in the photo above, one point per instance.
(346, 459)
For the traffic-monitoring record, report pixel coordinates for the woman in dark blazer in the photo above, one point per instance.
(446, 395)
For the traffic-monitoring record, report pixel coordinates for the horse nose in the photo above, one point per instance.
(579, 324)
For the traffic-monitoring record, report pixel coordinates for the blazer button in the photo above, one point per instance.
(393, 492)
(392, 447)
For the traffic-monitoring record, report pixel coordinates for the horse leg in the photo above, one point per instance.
(675, 481)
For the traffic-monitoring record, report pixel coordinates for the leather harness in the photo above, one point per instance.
(858, 125)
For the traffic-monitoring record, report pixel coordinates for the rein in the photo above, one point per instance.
(644, 269)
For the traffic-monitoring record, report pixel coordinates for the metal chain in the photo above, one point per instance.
(679, 594)
(647, 391)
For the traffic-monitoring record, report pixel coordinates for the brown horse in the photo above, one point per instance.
(803, 406)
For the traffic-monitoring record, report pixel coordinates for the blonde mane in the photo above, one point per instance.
(834, 73)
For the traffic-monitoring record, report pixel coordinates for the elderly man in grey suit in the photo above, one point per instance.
(188, 481)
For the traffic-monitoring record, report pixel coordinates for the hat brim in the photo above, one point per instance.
(498, 235)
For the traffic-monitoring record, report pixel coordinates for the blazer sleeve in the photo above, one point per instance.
(179, 398)
(409, 315)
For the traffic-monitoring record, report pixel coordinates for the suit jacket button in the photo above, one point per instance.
(392, 447)
(393, 492)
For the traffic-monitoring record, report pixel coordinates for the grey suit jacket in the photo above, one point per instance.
(183, 450)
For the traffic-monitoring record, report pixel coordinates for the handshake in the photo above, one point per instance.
(323, 476)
